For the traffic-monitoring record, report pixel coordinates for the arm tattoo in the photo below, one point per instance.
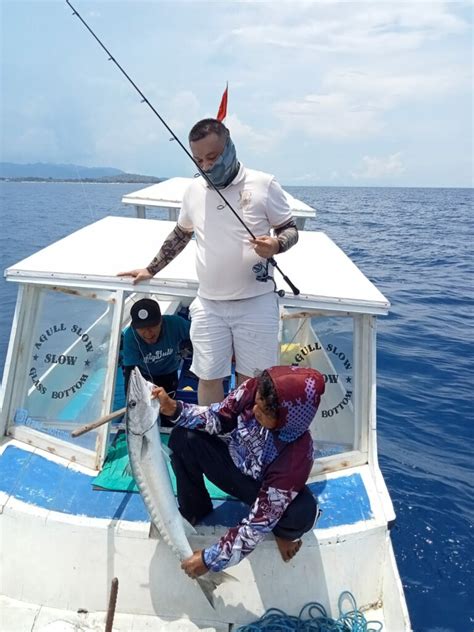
(287, 235)
(172, 246)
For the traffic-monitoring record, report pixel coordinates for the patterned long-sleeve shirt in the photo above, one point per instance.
(281, 459)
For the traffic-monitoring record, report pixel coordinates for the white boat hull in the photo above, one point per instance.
(66, 561)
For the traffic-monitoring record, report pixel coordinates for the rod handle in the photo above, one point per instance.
(294, 289)
(98, 422)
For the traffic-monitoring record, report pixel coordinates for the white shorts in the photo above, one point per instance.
(245, 328)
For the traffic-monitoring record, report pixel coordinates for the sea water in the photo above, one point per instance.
(416, 246)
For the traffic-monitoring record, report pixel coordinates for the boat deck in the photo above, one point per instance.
(37, 478)
(52, 504)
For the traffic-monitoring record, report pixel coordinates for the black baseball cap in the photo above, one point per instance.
(145, 313)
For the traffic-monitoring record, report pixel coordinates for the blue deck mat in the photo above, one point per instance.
(38, 481)
(116, 473)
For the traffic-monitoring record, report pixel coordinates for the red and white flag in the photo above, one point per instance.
(222, 112)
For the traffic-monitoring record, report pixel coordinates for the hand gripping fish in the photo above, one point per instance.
(151, 475)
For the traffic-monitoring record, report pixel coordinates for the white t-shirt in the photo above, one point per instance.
(225, 256)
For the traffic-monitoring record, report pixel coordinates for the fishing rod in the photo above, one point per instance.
(271, 260)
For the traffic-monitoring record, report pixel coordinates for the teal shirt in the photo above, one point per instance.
(163, 356)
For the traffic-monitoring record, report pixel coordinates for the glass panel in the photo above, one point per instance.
(68, 352)
(325, 344)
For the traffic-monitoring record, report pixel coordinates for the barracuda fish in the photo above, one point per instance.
(151, 475)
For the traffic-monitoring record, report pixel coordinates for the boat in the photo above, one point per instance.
(169, 194)
(62, 542)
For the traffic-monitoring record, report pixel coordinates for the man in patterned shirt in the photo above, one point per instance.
(256, 446)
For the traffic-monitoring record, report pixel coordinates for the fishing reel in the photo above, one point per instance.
(261, 274)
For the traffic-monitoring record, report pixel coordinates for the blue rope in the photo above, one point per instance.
(313, 618)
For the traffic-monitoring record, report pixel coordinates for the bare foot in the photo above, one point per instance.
(288, 548)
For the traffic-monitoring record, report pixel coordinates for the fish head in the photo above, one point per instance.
(142, 410)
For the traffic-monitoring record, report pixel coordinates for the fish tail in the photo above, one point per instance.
(207, 586)
(209, 582)
(221, 577)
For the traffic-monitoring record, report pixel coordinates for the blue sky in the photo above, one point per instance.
(320, 93)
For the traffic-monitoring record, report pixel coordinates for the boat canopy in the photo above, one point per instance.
(169, 194)
(61, 369)
(92, 256)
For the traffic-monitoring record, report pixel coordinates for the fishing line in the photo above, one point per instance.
(140, 340)
(287, 344)
(91, 212)
(271, 260)
(137, 340)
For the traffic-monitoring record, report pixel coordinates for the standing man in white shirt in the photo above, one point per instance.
(234, 313)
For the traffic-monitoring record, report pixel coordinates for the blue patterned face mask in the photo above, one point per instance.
(224, 170)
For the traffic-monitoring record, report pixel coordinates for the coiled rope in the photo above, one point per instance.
(313, 618)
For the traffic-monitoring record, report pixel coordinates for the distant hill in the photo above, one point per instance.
(39, 172)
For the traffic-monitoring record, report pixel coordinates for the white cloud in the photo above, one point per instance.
(352, 102)
(343, 67)
(334, 116)
(245, 135)
(349, 27)
(374, 167)
(384, 88)
(185, 108)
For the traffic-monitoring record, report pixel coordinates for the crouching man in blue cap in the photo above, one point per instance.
(153, 343)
